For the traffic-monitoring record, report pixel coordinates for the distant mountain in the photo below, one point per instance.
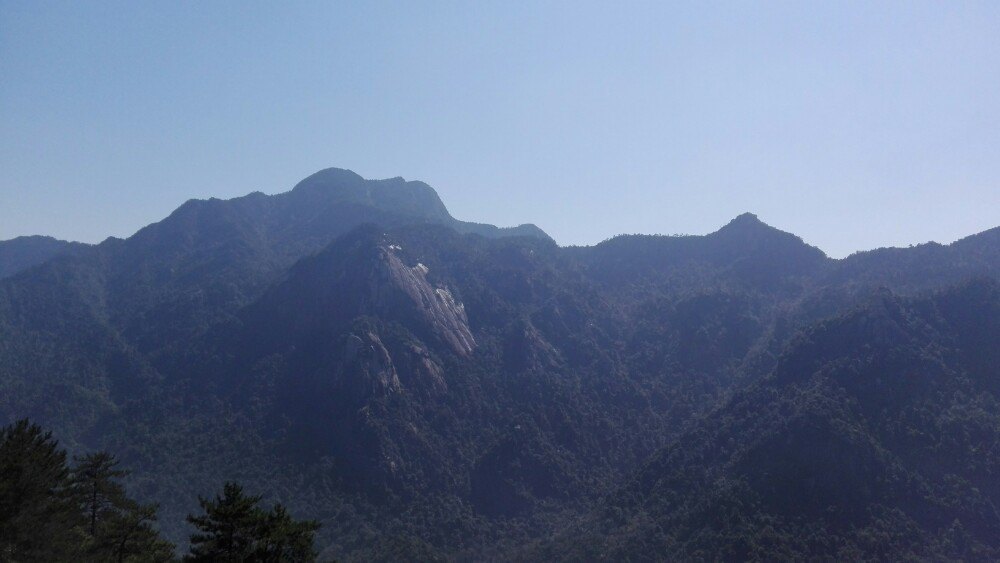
(22, 253)
(395, 196)
(926, 265)
(211, 257)
(745, 251)
(425, 385)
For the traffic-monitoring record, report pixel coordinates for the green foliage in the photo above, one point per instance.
(119, 528)
(874, 437)
(285, 539)
(234, 528)
(128, 534)
(229, 529)
(40, 518)
(49, 512)
(95, 479)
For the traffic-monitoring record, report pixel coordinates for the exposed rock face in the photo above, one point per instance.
(430, 373)
(378, 368)
(436, 306)
(372, 366)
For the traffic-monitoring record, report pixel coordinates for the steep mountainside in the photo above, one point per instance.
(875, 436)
(126, 307)
(424, 385)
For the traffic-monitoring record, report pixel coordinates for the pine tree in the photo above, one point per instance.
(119, 528)
(40, 519)
(94, 478)
(229, 528)
(284, 539)
(235, 528)
(128, 535)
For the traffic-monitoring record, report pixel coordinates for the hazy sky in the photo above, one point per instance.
(854, 125)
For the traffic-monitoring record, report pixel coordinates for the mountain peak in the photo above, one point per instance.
(393, 194)
(328, 177)
(411, 198)
(746, 220)
(747, 234)
(749, 225)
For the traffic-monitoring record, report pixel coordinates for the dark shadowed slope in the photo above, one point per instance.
(876, 435)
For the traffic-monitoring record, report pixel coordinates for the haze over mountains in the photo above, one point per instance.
(23, 253)
(432, 388)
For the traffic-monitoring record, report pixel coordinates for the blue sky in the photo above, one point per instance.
(852, 124)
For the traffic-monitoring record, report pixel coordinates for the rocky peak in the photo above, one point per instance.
(436, 306)
(336, 185)
(746, 222)
(370, 365)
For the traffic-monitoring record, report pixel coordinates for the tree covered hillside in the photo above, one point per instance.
(421, 385)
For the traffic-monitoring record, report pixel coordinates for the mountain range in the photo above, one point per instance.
(433, 389)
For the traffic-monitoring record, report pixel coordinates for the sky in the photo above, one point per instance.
(854, 125)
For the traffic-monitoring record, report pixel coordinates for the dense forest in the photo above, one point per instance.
(53, 510)
(415, 387)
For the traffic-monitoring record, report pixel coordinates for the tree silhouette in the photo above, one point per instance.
(235, 528)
